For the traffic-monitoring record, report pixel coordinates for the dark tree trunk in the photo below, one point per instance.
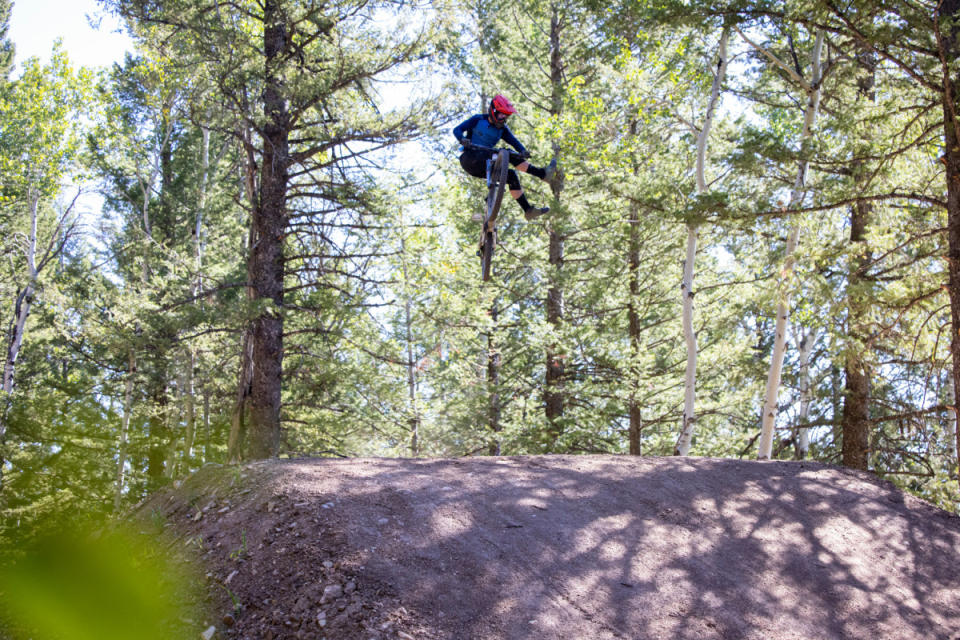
(950, 10)
(855, 422)
(266, 254)
(493, 382)
(636, 423)
(237, 439)
(633, 317)
(856, 415)
(553, 394)
(238, 423)
(636, 428)
(166, 223)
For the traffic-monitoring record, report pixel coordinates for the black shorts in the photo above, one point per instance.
(474, 162)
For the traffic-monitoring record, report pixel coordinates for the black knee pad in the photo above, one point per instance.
(513, 180)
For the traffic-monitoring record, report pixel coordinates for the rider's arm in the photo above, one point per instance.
(465, 127)
(511, 140)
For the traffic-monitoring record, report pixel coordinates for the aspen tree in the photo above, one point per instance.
(39, 129)
(813, 90)
(806, 343)
(693, 229)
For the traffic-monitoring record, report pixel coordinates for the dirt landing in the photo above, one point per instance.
(591, 547)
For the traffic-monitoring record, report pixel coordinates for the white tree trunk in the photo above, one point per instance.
(171, 425)
(412, 383)
(190, 404)
(686, 286)
(803, 435)
(124, 432)
(18, 324)
(414, 419)
(15, 341)
(206, 423)
(22, 308)
(779, 351)
(769, 414)
(690, 336)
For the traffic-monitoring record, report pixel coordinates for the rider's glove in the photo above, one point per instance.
(525, 154)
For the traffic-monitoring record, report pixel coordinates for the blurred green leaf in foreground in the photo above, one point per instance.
(78, 586)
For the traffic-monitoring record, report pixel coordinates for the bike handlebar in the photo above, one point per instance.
(477, 147)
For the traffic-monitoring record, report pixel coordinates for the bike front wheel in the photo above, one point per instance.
(497, 180)
(498, 184)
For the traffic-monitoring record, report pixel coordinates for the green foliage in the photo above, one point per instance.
(39, 136)
(74, 584)
(7, 48)
(392, 346)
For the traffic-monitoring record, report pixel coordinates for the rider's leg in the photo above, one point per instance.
(520, 198)
(516, 191)
(544, 173)
(474, 163)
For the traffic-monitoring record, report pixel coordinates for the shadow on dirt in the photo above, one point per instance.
(574, 547)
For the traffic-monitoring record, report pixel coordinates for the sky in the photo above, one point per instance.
(35, 24)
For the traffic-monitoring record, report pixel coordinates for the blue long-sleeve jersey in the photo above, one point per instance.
(480, 132)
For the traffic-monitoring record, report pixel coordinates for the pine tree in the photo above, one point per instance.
(298, 115)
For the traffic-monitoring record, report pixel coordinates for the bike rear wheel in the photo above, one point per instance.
(486, 258)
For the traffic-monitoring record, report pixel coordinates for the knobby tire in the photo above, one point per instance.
(498, 185)
(500, 168)
(487, 259)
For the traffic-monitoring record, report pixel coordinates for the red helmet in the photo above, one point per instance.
(501, 109)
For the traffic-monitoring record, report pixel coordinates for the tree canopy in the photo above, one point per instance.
(753, 248)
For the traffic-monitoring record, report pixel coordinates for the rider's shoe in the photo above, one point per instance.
(550, 170)
(477, 216)
(535, 212)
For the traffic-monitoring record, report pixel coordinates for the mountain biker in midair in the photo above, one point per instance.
(486, 130)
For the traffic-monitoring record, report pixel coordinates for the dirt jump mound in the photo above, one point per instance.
(566, 547)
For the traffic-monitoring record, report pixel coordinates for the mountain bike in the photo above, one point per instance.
(497, 166)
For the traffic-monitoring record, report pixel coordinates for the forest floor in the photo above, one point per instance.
(573, 547)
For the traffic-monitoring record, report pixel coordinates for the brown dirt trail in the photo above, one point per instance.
(570, 547)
